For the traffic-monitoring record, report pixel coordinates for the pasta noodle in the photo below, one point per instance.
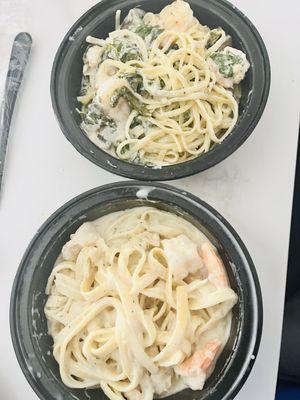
(134, 299)
(160, 89)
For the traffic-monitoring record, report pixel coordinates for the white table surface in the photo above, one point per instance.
(253, 188)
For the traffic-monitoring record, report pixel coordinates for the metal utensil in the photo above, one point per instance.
(18, 60)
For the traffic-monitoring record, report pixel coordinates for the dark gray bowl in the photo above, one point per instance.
(99, 21)
(33, 345)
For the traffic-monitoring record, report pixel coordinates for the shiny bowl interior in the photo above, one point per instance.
(99, 21)
(33, 345)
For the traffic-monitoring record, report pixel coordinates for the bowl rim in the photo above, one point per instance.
(171, 172)
(256, 318)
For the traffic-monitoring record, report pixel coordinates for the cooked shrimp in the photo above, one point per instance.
(177, 16)
(182, 256)
(195, 369)
(214, 265)
(229, 66)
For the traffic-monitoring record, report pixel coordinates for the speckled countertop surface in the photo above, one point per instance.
(252, 188)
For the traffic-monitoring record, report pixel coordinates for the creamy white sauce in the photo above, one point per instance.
(131, 59)
(133, 253)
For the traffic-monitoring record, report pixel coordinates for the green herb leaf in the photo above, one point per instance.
(133, 102)
(111, 51)
(85, 82)
(186, 116)
(136, 82)
(225, 62)
(145, 30)
(121, 51)
(97, 117)
(129, 53)
(125, 148)
(214, 36)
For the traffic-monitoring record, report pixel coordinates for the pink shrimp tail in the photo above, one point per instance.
(214, 265)
(202, 358)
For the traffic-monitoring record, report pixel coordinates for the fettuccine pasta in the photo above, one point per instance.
(162, 88)
(139, 305)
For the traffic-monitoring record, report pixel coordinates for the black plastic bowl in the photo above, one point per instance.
(33, 345)
(99, 21)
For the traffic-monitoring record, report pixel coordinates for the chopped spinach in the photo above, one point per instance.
(136, 82)
(140, 120)
(143, 30)
(146, 30)
(135, 122)
(102, 120)
(121, 51)
(105, 143)
(129, 53)
(133, 102)
(186, 116)
(85, 82)
(135, 157)
(125, 148)
(94, 116)
(226, 61)
(111, 51)
(214, 36)
(121, 92)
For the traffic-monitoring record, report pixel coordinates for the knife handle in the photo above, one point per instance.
(18, 60)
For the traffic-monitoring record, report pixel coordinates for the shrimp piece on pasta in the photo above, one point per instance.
(195, 369)
(215, 268)
(177, 16)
